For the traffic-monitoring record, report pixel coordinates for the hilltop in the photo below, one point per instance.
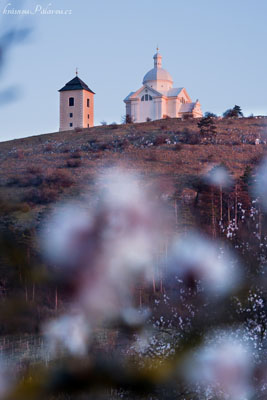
(41, 169)
(38, 171)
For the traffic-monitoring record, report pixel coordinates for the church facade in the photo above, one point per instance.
(158, 99)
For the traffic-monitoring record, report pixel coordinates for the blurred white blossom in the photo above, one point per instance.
(194, 258)
(62, 239)
(222, 367)
(133, 317)
(70, 332)
(219, 176)
(111, 247)
(260, 185)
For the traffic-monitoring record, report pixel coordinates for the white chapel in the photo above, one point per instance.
(158, 99)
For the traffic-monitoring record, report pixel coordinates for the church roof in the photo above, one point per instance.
(150, 90)
(174, 92)
(76, 84)
(187, 107)
(129, 96)
(156, 74)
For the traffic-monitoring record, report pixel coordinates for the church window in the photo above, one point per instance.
(70, 124)
(71, 115)
(71, 101)
(88, 116)
(88, 103)
(146, 97)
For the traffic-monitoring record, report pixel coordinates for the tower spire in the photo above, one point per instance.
(76, 71)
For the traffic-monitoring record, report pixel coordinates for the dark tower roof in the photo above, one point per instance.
(76, 84)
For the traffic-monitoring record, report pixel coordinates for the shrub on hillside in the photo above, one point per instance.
(210, 114)
(31, 180)
(178, 147)
(124, 143)
(103, 146)
(34, 169)
(48, 147)
(76, 154)
(186, 131)
(13, 181)
(59, 178)
(73, 163)
(160, 140)
(44, 195)
(86, 147)
(114, 125)
(206, 126)
(25, 180)
(65, 150)
(247, 176)
(192, 138)
(127, 119)
(234, 112)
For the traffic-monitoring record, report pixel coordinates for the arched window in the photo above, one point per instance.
(71, 101)
(146, 97)
(182, 100)
(88, 103)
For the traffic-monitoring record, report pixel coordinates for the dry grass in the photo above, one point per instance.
(168, 150)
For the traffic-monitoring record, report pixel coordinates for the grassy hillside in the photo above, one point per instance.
(172, 154)
(40, 169)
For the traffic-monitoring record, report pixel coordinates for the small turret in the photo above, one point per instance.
(157, 59)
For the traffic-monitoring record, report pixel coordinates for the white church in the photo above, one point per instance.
(158, 99)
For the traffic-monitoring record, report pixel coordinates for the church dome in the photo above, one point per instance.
(157, 73)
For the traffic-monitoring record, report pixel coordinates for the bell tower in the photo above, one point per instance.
(76, 105)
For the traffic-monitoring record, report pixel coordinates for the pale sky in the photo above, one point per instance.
(215, 49)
